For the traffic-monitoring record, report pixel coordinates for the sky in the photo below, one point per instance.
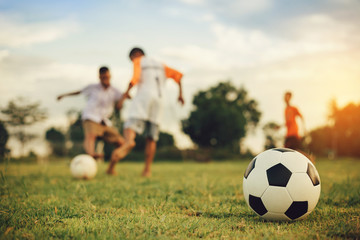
(311, 48)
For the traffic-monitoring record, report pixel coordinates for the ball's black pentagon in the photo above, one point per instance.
(250, 167)
(278, 175)
(283, 150)
(257, 205)
(314, 176)
(297, 209)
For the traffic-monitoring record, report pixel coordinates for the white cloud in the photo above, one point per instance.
(3, 54)
(193, 2)
(230, 7)
(241, 47)
(16, 32)
(192, 55)
(236, 8)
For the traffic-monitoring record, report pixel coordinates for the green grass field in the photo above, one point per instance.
(181, 200)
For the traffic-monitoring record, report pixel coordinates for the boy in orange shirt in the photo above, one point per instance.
(146, 107)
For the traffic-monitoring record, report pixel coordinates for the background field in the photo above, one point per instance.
(181, 200)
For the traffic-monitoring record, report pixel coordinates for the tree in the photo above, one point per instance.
(321, 141)
(272, 137)
(223, 114)
(342, 136)
(346, 129)
(20, 114)
(4, 136)
(56, 140)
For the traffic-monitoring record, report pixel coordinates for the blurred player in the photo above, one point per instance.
(146, 108)
(293, 139)
(101, 100)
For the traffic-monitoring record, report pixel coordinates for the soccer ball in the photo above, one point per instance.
(83, 166)
(281, 184)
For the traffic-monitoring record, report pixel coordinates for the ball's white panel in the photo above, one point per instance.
(314, 200)
(245, 191)
(257, 182)
(268, 159)
(275, 216)
(276, 199)
(301, 188)
(295, 161)
(83, 166)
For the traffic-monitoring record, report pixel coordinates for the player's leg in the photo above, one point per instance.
(91, 131)
(112, 135)
(294, 142)
(152, 135)
(150, 150)
(120, 152)
(89, 144)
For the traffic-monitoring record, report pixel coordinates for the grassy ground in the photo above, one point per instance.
(181, 200)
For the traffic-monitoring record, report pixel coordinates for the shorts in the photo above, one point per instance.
(293, 142)
(109, 134)
(147, 128)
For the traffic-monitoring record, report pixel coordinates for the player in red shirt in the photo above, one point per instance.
(292, 139)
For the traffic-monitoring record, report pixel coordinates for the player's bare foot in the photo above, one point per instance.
(146, 174)
(111, 172)
(97, 156)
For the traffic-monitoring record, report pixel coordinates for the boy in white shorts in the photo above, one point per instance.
(145, 112)
(101, 100)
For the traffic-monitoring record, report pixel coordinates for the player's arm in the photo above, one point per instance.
(120, 103)
(302, 120)
(134, 80)
(180, 98)
(68, 94)
(177, 76)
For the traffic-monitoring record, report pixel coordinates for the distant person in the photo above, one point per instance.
(146, 108)
(101, 100)
(292, 139)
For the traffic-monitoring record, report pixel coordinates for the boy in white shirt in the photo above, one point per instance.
(101, 100)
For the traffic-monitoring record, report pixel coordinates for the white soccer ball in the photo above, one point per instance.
(83, 166)
(281, 184)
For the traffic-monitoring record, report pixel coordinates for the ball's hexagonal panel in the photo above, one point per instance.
(282, 150)
(268, 159)
(275, 216)
(257, 205)
(313, 174)
(278, 175)
(295, 161)
(276, 199)
(297, 209)
(300, 188)
(257, 182)
(250, 167)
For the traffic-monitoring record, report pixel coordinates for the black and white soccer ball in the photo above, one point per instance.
(281, 184)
